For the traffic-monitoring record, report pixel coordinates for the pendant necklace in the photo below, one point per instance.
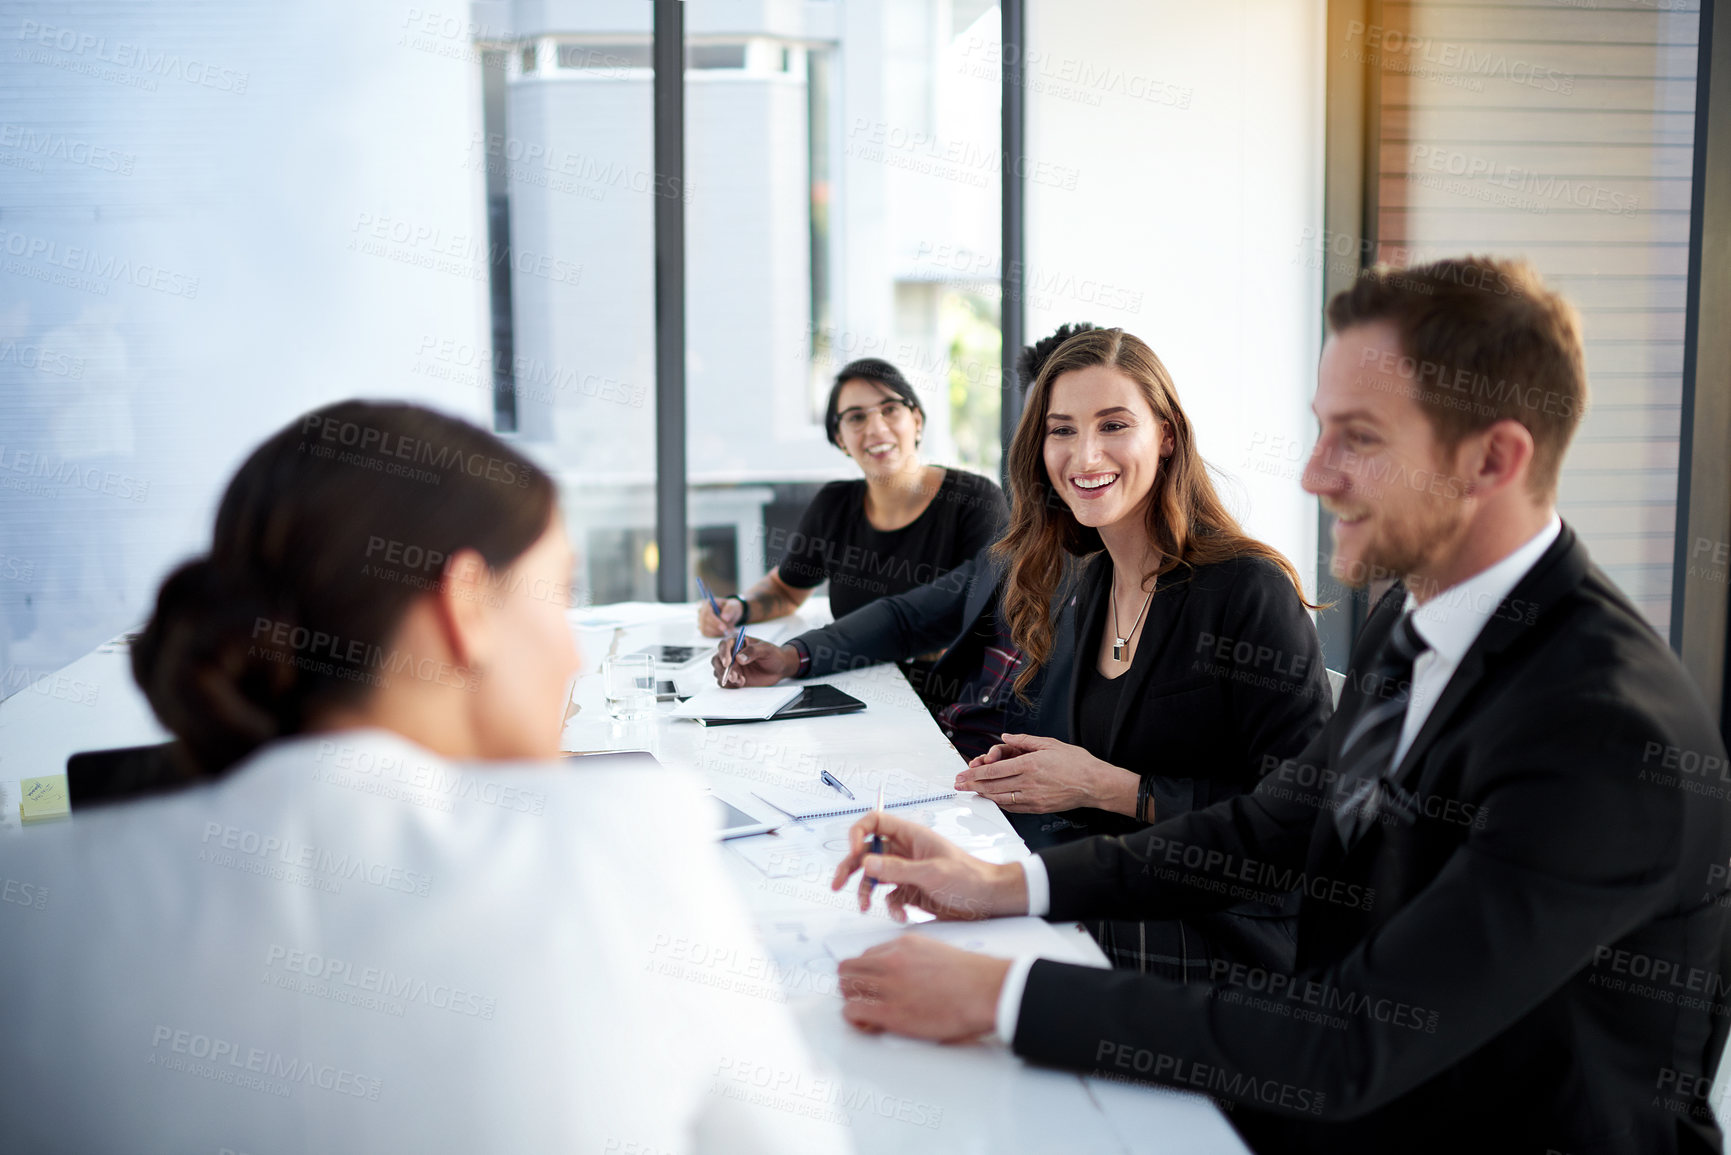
(1119, 642)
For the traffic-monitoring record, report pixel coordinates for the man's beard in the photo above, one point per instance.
(1405, 545)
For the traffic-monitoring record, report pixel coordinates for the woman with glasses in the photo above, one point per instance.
(902, 525)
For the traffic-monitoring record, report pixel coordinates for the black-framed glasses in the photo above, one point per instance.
(893, 410)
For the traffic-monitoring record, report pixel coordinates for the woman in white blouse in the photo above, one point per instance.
(381, 919)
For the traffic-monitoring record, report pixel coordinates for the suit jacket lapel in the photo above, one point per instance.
(1326, 852)
(1092, 590)
(1558, 570)
(1094, 618)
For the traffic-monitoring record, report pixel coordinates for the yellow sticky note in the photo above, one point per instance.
(43, 798)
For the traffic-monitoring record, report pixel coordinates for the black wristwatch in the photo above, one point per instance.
(744, 607)
(1144, 796)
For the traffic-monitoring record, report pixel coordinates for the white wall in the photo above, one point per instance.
(1177, 166)
(257, 145)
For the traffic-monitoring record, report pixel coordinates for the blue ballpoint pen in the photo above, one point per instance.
(714, 605)
(738, 644)
(832, 780)
(877, 841)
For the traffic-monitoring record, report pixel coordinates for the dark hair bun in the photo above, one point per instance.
(1032, 358)
(209, 672)
(324, 539)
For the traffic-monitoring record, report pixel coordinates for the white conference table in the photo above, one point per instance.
(900, 1095)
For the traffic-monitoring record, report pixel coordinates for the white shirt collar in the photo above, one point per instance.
(371, 744)
(1453, 620)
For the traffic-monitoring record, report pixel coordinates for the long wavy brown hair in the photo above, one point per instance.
(1187, 523)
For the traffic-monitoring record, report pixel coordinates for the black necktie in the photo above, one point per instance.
(1367, 755)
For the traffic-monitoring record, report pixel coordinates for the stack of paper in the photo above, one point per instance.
(998, 937)
(796, 851)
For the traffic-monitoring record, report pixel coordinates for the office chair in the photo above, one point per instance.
(98, 777)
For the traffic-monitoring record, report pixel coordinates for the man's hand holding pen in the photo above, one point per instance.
(915, 985)
(757, 663)
(928, 871)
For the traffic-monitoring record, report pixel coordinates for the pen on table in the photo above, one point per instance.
(837, 783)
(738, 644)
(877, 846)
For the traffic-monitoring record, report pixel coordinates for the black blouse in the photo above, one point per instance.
(1227, 681)
(1096, 703)
(836, 542)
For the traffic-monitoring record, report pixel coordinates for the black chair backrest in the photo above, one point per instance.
(96, 777)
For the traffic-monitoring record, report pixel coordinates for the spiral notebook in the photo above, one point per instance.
(802, 804)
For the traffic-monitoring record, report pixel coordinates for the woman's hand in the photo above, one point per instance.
(1031, 774)
(711, 626)
(769, 598)
(928, 871)
(759, 663)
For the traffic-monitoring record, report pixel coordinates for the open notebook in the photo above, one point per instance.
(752, 704)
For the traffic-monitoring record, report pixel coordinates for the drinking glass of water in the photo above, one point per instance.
(630, 680)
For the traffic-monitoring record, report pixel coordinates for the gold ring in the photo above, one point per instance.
(1014, 794)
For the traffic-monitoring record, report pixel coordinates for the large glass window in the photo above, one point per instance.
(575, 154)
(844, 204)
(841, 199)
(212, 226)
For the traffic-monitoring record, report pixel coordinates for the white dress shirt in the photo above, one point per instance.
(1453, 620)
(1449, 624)
(349, 944)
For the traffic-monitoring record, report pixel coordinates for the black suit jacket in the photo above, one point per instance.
(1227, 682)
(1534, 961)
(955, 613)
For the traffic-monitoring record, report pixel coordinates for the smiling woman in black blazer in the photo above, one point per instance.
(1197, 666)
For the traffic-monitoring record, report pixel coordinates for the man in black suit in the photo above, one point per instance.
(1511, 839)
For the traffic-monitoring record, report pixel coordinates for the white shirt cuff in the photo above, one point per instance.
(1039, 886)
(1010, 998)
(1016, 979)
